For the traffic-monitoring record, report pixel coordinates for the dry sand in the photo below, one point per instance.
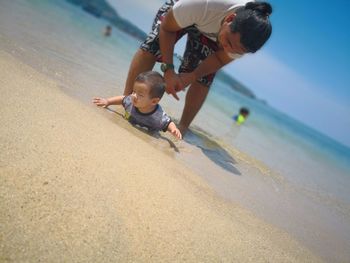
(75, 187)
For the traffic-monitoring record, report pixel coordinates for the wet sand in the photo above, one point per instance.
(75, 187)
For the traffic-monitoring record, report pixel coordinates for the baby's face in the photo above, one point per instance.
(140, 96)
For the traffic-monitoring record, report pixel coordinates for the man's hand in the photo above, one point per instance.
(173, 83)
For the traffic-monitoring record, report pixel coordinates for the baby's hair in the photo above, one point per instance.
(244, 111)
(253, 23)
(155, 81)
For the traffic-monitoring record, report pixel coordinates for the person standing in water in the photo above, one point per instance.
(107, 31)
(219, 32)
(241, 117)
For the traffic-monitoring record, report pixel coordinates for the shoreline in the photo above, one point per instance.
(78, 187)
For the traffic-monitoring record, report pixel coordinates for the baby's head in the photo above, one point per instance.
(149, 88)
(244, 112)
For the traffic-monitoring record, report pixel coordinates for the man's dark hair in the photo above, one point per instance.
(253, 23)
(155, 81)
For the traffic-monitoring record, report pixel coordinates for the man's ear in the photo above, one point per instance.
(155, 101)
(229, 18)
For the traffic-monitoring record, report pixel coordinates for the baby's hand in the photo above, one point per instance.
(176, 132)
(101, 102)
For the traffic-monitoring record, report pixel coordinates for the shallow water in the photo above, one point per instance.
(278, 168)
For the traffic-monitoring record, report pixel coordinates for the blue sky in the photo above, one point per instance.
(302, 70)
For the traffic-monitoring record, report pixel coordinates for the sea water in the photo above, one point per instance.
(284, 172)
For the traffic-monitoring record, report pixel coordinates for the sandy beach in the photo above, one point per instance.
(76, 187)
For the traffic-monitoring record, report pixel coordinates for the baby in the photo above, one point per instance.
(141, 107)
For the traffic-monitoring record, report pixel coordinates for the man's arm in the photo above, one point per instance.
(211, 64)
(167, 39)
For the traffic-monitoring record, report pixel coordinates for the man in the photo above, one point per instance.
(219, 31)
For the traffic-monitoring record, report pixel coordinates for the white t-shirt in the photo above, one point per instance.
(205, 15)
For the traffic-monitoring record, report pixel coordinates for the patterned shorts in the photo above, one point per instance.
(198, 46)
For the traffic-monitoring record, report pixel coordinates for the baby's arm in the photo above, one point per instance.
(105, 102)
(174, 130)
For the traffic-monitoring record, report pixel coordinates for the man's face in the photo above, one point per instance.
(229, 41)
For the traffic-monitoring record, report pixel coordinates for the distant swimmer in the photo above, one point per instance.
(108, 31)
(242, 116)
